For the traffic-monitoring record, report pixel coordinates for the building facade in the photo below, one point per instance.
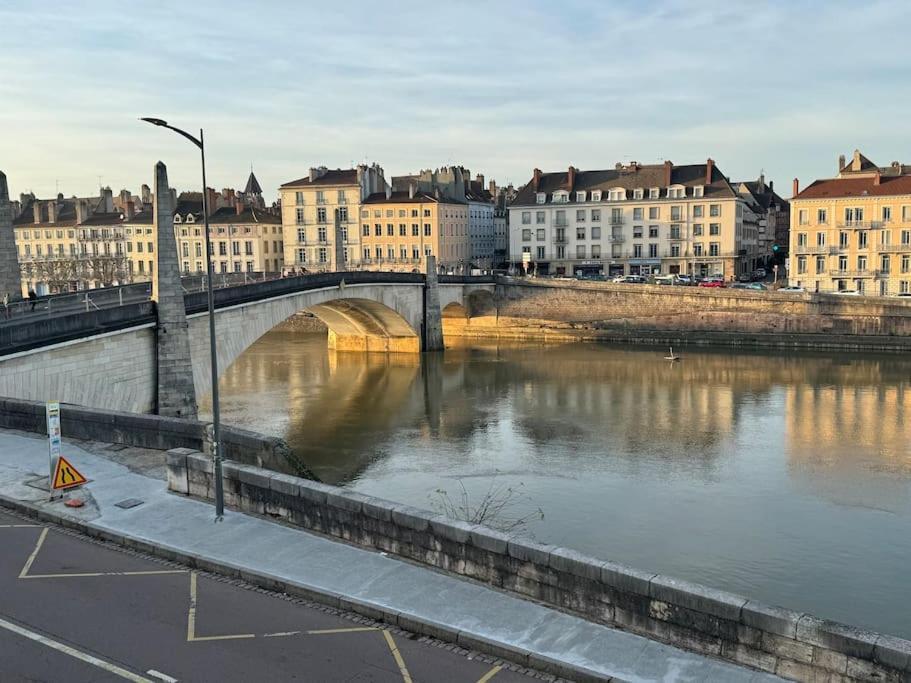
(400, 228)
(772, 213)
(853, 231)
(632, 219)
(320, 217)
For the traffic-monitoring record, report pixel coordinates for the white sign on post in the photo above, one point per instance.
(53, 441)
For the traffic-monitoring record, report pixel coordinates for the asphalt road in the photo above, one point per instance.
(73, 609)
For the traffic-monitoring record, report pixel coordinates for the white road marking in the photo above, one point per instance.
(161, 676)
(72, 652)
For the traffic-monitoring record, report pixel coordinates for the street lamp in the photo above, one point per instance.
(216, 418)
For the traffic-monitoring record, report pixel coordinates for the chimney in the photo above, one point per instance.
(876, 178)
(761, 182)
(709, 170)
(410, 190)
(173, 193)
(129, 209)
(536, 179)
(796, 189)
(841, 162)
(52, 211)
(36, 211)
(80, 212)
(314, 174)
(668, 167)
(238, 207)
(230, 195)
(388, 191)
(480, 180)
(771, 186)
(107, 197)
(855, 162)
(145, 194)
(571, 178)
(211, 200)
(492, 188)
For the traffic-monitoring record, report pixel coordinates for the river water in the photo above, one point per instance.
(784, 477)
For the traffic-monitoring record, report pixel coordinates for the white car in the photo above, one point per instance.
(792, 289)
(848, 292)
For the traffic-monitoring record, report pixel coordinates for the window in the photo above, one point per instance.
(906, 263)
(637, 232)
(653, 231)
(675, 250)
(887, 214)
(559, 218)
(637, 213)
(540, 234)
(853, 215)
(884, 263)
(540, 198)
(653, 251)
(580, 215)
(698, 211)
(714, 228)
(637, 251)
(697, 229)
(248, 248)
(697, 250)
(323, 254)
(675, 213)
(539, 217)
(885, 237)
(675, 231)
(821, 216)
(320, 197)
(365, 213)
(299, 198)
(617, 195)
(676, 192)
(654, 193)
(820, 264)
(560, 197)
(526, 217)
(343, 214)
(820, 239)
(580, 233)
(903, 287)
(415, 230)
(596, 232)
(390, 253)
(321, 215)
(390, 230)
(198, 249)
(186, 249)
(580, 251)
(638, 193)
(801, 264)
(714, 249)
(378, 229)
(842, 240)
(427, 230)
(801, 239)
(580, 196)
(842, 263)
(321, 234)
(426, 213)
(596, 251)
(714, 209)
(698, 191)
(862, 240)
(654, 212)
(539, 253)
(861, 263)
(906, 214)
(596, 215)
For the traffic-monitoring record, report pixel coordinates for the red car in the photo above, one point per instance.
(712, 282)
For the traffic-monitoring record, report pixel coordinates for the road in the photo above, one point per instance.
(79, 610)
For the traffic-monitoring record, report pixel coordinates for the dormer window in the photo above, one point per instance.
(560, 197)
(676, 192)
(596, 195)
(540, 197)
(617, 194)
(580, 196)
(698, 191)
(177, 218)
(190, 218)
(654, 193)
(638, 193)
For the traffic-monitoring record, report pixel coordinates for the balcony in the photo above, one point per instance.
(616, 220)
(814, 249)
(851, 273)
(561, 223)
(560, 240)
(616, 238)
(894, 247)
(861, 225)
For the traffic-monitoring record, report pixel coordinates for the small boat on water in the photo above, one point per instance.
(672, 357)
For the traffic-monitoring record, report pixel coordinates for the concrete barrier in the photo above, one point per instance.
(791, 644)
(150, 431)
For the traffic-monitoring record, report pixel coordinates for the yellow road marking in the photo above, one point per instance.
(406, 677)
(31, 558)
(191, 619)
(342, 630)
(24, 574)
(73, 652)
(490, 674)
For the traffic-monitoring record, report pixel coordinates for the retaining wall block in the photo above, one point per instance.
(697, 597)
(349, 501)
(830, 660)
(699, 621)
(777, 620)
(453, 530)
(410, 517)
(314, 492)
(575, 563)
(528, 551)
(743, 654)
(285, 484)
(893, 652)
(864, 670)
(852, 641)
(201, 463)
(626, 579)
(490, 540)
(377, 508)
(787, 648)
(254, 477)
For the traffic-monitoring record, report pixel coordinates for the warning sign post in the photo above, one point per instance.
(61, 473)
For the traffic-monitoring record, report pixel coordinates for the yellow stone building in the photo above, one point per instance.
(853, 232)
(399, 229)
(319, 217)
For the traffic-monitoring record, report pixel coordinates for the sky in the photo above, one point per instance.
(498, 87)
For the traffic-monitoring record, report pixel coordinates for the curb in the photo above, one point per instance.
(403, 620)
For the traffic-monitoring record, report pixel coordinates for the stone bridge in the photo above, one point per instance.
(110, 358)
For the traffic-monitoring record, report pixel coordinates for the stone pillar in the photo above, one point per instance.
(433, 319)
(10, 277)
(339, 244)
(176, 393)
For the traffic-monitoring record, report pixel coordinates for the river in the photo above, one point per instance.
(785, 477)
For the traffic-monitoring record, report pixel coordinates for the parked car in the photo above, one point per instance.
(630, 279)
(744, 277)
(667, 279)
(791, 289)
(712, 282)
(685, 280)
(848, 292)
(903, 294)
(759, 274)
(758, 286)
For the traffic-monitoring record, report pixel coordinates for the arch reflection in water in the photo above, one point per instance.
(783, 478)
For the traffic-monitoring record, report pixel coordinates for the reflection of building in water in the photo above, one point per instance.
(849, 440)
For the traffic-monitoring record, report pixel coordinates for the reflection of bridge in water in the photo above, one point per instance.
(338, 410)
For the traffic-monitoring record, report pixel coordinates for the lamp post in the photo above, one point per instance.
(216, 418)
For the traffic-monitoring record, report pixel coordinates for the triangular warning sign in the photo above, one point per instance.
(66, 476)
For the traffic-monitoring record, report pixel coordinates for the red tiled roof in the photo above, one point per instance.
(333, 177)
(857, 187)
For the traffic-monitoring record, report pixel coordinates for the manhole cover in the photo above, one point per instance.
(129, 503)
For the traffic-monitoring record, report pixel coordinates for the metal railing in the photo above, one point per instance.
(849, 273)
(861, 225)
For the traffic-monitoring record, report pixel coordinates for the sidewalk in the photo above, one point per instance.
(350, 577)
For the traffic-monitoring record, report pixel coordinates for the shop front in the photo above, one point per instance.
(645, 266)
(588, 268)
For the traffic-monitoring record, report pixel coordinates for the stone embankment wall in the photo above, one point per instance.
(147, 431)
(790, 644)
(564, 310)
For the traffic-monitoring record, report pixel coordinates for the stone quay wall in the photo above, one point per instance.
(143, 431)
(624, 309)
(791, 644)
